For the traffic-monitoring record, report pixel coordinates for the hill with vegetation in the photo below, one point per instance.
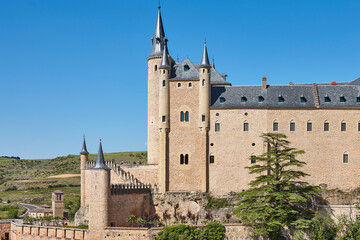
(33, 180)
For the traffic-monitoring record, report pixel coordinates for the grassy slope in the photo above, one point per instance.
(30, 177)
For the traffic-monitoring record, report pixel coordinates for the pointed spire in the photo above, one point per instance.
(165, 59)
(100, 161)
(205, 59)
(84, 150)
(213, 63)
(158, 39)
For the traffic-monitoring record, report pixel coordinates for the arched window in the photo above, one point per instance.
(346, 157)
(217, 127)
(343, 126)
(203, 82)
(181, 158)
(190, 84)
(164, 71)
(246, 126)
(186, 116)
(179, 84)
(203, 70)
(164, 83)
(182, 116)
(292, 126)
(309, 126)
(252, 159)
(326, 126)
(275, 126)
(186, 159)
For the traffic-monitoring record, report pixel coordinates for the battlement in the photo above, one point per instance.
(132, 188)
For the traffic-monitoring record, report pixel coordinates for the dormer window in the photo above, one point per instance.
(186, 68)
(243, 99)
(327, 99)
(261, 99)
(358, 99)
(281, 99)
(222, 99)
(303, 99)
(342, 99)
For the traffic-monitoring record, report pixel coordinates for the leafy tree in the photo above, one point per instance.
(213, 231)
(178, 232)
(277, 197)
(348, 229)
(12, 213)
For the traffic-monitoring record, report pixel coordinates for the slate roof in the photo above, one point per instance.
(178, 73)
(292, 94)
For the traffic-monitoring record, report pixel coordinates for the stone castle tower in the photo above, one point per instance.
(178, 117)
(57, 198)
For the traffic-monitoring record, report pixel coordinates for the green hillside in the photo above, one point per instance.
(33, 181)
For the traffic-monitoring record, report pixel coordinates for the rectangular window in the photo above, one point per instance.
(186, 116)
(326, 127)
(253, 159)
(345, 158)
(309, 126)
(182, 116)
(292, 127)
(357, 99)
(163, 118)
(343, 127)
(203, 118)
(217, 127)
(246, 127)
(212, 159)
(275, 126)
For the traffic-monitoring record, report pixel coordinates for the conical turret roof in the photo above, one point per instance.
(159, 37)
(100, 161)
(205, 59)
(84, 150)
(165, 59)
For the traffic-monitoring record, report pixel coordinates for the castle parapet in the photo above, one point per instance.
(133, 188)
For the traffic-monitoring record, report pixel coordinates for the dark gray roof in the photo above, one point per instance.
(205, 59)
(100, 161)
(251, 94)
(84, 150)
(292, 94)
(178, 72)
(349, 92)
(159, 37)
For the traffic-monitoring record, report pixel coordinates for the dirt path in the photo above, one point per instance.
(64, 176)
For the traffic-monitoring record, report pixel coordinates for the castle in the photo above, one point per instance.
(202, 132)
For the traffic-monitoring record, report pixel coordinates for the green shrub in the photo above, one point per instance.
(216, 203)
(213, 231)
(12, 213)
(323, 227)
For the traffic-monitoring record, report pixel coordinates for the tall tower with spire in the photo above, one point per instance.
(84, 157)
(154, 62)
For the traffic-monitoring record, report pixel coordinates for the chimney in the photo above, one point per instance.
(333, 83)
(264, 85)
(291, 83)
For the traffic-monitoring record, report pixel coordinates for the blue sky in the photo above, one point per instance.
(72, 67)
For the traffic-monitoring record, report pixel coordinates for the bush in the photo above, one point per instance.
(323, 227)
(216, 203)
(12, 213)
(213, 231)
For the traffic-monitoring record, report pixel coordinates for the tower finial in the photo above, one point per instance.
(159, 5)
(205, 58)
(213, 63)
(84, 150)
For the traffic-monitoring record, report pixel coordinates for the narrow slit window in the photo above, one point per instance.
(164, 83)
(343, 126)
(326, 126)
(217, 127)
(181, 159)
(186, 159)
(190, 84)
(203, 82)
(203, 118)
(182, 116)
(186, 116)
(246, 127)
(309, 126)
(179, 84)
(292, 126)
(155, 68)
(358, 126)
(163, 119)
(212, 159)
(345, 157)
(275, 126)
